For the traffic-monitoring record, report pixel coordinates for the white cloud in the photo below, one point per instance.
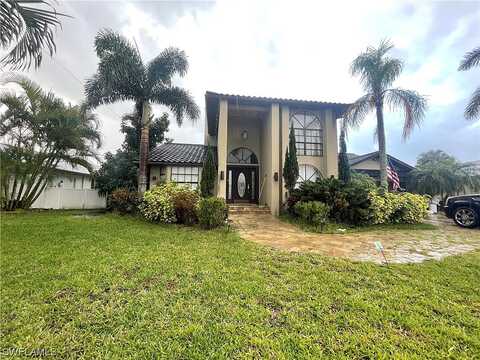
(272, 48)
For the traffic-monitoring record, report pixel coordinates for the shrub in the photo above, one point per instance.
(364, 181)
(169, 203)
(123, 201)
(157, 204)
(402, 208)
(185, 201)
(409, 208)
(381, 207)
(313, 212)
(347, 202)
(211, 212)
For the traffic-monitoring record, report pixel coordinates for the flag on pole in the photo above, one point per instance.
(392, 176)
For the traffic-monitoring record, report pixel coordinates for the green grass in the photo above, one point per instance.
(334, 228)
(117, 287)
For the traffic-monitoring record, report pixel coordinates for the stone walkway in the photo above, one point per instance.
(401, 246)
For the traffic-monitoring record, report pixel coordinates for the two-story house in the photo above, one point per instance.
(250, 138)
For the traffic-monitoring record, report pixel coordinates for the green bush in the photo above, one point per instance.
(410, 208)
(123, 201)
(157, 204)
(364, 181)
(313, 212)
(170, 203)
(185, 202)
(211, 212)
(348, 203)
(397, 208)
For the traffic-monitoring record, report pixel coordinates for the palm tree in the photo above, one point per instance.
(122, 75)
(437, 173)
(377, 72)
(31, 29)
(39, 132)
(470, 60)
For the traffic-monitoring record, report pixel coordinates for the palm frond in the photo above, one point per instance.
(33, 91)
(171, 61)
(178, 100)
(411, 103)
(373, 69)
(32, 28)
(472, 111)
(121, 73)
(471, 59)
(356, 112)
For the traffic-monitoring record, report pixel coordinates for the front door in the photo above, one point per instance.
(242, 184)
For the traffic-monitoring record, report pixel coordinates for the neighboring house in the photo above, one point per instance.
(70, 188)
(369, 164)
(250, 138)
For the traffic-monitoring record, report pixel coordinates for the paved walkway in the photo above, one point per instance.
(401, 246)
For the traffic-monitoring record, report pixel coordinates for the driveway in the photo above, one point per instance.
(401, 246)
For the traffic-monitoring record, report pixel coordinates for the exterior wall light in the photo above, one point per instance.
(244, 134)
(275, 176)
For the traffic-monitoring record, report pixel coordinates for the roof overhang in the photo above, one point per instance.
(212, 100)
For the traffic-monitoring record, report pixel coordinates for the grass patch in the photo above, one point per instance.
(336, 228)
(117, 287)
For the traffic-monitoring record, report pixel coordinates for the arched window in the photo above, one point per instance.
(308, 133)
(242, 156)
(307, 173)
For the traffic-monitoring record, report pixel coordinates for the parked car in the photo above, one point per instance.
(464, 210)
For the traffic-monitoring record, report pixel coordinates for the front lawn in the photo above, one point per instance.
(117, 287)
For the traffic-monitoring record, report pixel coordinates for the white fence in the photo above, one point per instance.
(61, 198)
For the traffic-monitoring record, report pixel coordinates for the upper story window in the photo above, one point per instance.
(308, 133)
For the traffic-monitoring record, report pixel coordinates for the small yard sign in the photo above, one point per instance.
(380, 249)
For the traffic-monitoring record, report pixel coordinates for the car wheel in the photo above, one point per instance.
(465, 217)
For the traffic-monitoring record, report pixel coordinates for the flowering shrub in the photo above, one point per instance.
(399, 208)
(123, 201)
(409, 208)
(313, 212)
(211, 212)
(169, 203)
(157, 204)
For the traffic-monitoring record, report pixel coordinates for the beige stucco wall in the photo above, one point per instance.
(156, 178)
(367, 165)
(253, 126)
(222, 146)
(330, 144)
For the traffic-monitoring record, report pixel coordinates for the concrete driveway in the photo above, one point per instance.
(401, 246)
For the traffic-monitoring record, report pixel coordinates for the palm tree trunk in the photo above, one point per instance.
(143, 156)
(382, 151)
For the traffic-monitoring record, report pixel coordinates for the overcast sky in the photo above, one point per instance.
(288, 49)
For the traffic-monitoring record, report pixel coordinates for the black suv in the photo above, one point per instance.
(464, 210)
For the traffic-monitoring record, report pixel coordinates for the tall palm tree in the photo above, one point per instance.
(471, 59)
(122, 75)
(377, 72)
(29, 28)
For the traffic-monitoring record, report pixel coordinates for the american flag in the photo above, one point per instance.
(393, 177)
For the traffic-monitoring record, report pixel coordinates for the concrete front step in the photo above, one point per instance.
(248, 209)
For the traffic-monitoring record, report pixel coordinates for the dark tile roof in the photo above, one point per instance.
(374, 155)
(264, 99)
(178, 154)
